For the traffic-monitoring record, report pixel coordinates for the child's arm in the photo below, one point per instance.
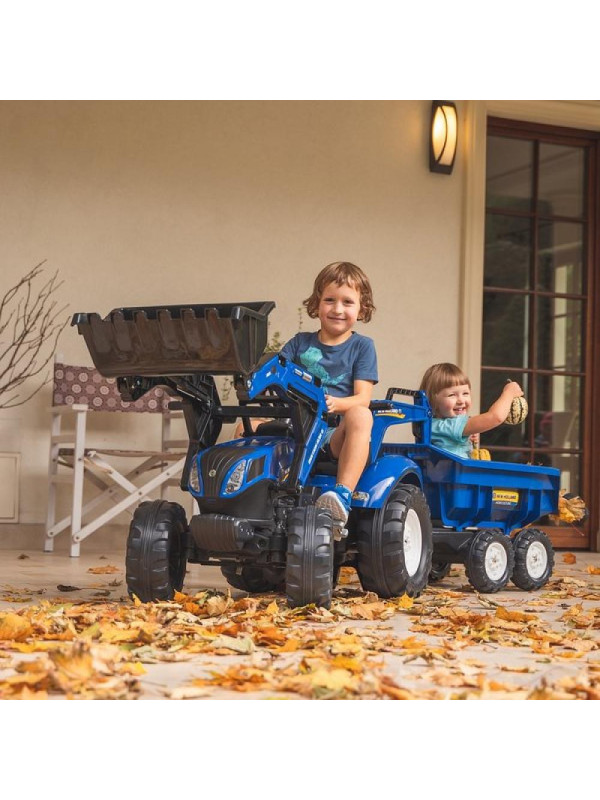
(497, 412)
(363, 390)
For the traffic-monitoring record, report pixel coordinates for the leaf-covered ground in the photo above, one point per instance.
(450, 643)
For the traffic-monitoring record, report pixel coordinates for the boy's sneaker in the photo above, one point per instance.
(337, 501)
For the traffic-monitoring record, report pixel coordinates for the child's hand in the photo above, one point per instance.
(474, 437)
(512, 389)
(332, 404)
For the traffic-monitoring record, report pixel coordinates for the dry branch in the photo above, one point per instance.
(30, 323)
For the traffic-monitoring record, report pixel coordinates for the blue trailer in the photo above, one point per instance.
(416, 509)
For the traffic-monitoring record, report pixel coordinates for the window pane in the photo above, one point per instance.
(507, 251)
(560, 249)
(505, 329)
(561, 183)
(515, 436)
(509, 172)
(557, 413)
(559, 334)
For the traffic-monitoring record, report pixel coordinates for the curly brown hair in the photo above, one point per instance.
(439, 377)
(342, 273)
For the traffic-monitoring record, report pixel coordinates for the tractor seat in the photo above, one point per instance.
(274, 427)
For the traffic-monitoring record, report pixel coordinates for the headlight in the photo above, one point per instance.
(236, 478)
(194, 481)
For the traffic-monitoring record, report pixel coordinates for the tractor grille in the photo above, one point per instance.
(217, 461)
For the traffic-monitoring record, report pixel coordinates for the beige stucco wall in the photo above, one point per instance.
(168, 202)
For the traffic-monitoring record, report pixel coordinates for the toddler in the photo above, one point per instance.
(449, 392)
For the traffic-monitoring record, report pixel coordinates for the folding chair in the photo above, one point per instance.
(77, 392)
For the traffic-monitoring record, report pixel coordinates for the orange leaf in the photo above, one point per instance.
(103, 570)
(569, 558)
(514, 616)
(593, 570)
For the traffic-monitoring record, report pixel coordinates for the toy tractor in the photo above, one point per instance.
(256, 495)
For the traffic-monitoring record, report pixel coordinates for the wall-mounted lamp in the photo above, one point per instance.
(444, 135)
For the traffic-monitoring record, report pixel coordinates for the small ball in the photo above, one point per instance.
(518, 411)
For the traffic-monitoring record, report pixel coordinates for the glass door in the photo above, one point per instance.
(537, 303)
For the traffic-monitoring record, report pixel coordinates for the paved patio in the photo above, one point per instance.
(451, 643)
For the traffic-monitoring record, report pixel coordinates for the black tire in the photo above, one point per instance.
(250, 579)
(439, 570)
(156, 551)
(490, 561)
(309, 568)
(534, 559)
(385, 565)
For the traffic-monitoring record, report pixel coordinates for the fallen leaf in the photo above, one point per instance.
(569, 558)
(14, 627)
(66, 588)
(108, 569)
(593, 570)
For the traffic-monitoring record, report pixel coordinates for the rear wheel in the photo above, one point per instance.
(249, 579)
(534, 559)
(156, 553)
(309, 567)
(490, 561)
(395, 545)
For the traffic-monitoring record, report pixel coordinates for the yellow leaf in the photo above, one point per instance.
(272, 608)
(335, 679)
(351, 664)
(14, 627)
(405, 602)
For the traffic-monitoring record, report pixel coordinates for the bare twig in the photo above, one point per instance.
(30, 324)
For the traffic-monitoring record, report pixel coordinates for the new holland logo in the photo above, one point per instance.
(503, 497)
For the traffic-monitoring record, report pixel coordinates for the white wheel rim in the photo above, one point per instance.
(495, 561)
(536, 560)
(413, 542)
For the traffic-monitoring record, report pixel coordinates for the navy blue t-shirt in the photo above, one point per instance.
(339, 365)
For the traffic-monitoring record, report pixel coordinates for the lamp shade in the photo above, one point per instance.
(443, 136)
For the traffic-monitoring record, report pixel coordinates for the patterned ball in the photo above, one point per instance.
(518, 411)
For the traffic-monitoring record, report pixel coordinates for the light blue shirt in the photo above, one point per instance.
(448, 433)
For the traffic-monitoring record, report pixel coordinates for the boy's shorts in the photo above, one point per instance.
(325, 447)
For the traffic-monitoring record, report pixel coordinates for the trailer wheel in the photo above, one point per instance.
(490, 561)
(439, 570)
(534, 559)
(309, 568)
(395, 545)
(156, 551)
(249, 579)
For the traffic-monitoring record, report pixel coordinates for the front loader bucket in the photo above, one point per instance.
(220, 339)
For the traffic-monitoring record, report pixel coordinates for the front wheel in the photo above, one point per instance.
(490, 561)
(156, 554)
(309, 567)
(395, 545)
(534, 559)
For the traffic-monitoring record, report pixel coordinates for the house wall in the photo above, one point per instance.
(144, 203)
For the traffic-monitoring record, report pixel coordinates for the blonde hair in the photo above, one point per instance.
(439, 377)
(342, 273)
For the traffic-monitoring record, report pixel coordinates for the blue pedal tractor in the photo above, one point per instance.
(256, 495)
